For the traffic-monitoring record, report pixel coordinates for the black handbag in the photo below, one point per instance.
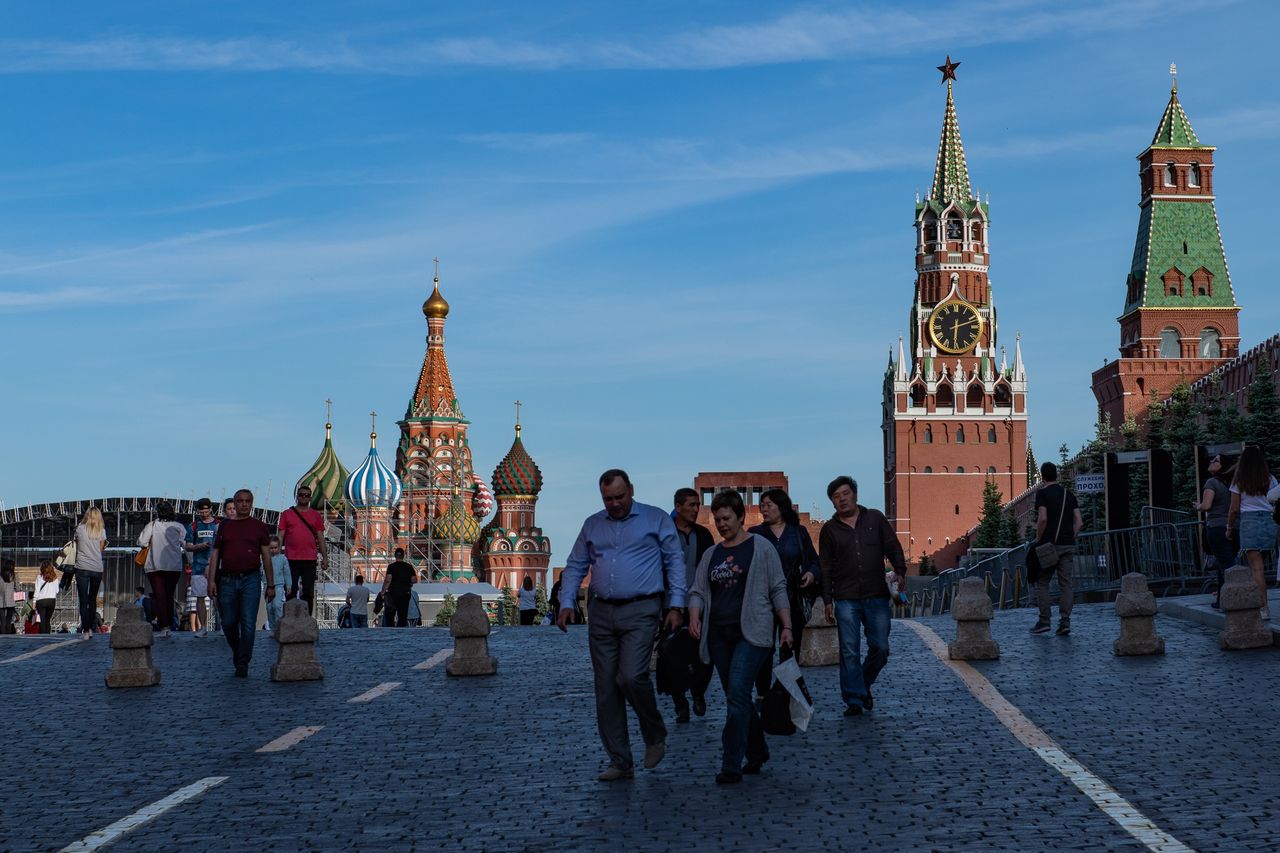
(775, 711)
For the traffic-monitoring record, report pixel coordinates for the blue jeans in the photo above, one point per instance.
(238, 607)
(87, 584)
(359, 620)
(737, 662)
(275, 608)
(872, 616)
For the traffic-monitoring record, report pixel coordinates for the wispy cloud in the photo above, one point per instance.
(806, 35)
(79, 297)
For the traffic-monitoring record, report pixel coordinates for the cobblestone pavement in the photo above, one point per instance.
(509, 762)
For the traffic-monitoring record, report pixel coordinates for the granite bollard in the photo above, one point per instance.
(820, 643)
(972, 612)
(470, 629)
(1136, 607)
(297, 633)
(131, 640)
(1242, 603)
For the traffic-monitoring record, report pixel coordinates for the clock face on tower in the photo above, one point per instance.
(955, 326)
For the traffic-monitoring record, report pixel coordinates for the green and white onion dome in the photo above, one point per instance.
(326, 477)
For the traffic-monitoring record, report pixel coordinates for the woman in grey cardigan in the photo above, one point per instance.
(737, 590)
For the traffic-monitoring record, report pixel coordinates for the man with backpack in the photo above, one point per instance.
(1054, 535)
(301, 531)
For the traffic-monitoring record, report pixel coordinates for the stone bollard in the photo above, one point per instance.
(131, 639)
(972, 611)
(820, 644)
(1136, 607)
(297, 633)
(1239, 599)
(470, 629)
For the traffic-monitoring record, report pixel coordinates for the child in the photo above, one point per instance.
(282, 578)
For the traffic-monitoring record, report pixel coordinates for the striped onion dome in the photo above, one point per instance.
(481, 498)
(517, 474)
(457, 524)
(373, 484)
(325, 477)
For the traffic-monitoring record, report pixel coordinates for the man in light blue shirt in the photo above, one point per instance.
(637, 570)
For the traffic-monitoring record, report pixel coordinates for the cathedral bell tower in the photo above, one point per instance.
(954, 411)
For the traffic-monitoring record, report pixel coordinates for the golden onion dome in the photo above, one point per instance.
(435, 308)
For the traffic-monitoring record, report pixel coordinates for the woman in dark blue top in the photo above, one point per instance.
(799, 563)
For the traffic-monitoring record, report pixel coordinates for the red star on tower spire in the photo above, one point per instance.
(948, 69)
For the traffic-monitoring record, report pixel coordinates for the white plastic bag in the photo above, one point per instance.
(788, 675)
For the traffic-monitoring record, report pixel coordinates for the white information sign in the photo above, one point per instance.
(1090, 484)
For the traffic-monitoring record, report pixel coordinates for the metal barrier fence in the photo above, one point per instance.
(1169, 554)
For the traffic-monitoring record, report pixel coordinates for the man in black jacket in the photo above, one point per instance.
(695, 539)
(852, 550)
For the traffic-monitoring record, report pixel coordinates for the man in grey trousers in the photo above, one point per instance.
(637, 574)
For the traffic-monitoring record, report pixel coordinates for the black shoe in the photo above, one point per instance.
(724, 777)
(242, 672)
(868, 703)
(752, 768)
(1064, 629)
(853, 711)
(700, 705)
(1041, 627)
(682, 713)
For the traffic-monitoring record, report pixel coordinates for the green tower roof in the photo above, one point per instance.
(1175, 129)
(950, 171)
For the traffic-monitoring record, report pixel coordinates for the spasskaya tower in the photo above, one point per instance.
(955, 409)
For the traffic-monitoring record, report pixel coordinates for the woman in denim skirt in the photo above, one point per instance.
(1250, 515)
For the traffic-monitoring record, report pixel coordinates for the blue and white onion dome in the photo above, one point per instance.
(373, 484)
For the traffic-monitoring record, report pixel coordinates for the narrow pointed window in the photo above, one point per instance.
(1170, 175)
(1193, 175)
(928, 435)
(991, 435)
(959, 435)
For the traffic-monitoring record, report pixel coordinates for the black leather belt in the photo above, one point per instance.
(632, 600)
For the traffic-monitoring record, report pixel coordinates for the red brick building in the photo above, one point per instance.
(1180, 318)
(955, 409)
(749, 485)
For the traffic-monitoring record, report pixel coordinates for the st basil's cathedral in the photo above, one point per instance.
(433, 504)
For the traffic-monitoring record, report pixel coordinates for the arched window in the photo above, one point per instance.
(959, 469)
(930, 227)
(928, 469)
(976, 230)
(955, 228)
(1170, 343)
(1193, 175)
(991, 469)
(1170, 175)
(928, 435)
(991, 435)
(960, 435)
(1210, 344)
(957, 513)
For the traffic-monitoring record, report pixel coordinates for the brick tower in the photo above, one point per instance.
(433, 462)
(1180, 317)
(512, 546)
(372, 491)
(954, 411)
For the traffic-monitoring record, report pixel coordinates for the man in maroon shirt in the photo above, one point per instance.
(241, 552)
(301, 531)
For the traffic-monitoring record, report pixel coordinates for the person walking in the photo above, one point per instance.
(91, 542)
(1215, 503)
(358, 601)
(737, 592)
(199, 544)
(396, 587)
(1055, 504)
(281, 579)
(165, 541)
(782, 528)
(47, 586)
(695, 540)
(8, 604)
(241, 550)
(528, 602)
(1249, 520)
(853, 547)
(634, 556)
(142, 600)
(301, 531)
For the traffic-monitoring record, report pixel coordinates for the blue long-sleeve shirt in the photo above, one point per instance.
(627, 557)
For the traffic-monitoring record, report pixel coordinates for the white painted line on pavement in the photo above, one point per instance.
(41, 650)
(435, 660)
(289, 739)
(370, 695)
(106, 836)
(1036, 739)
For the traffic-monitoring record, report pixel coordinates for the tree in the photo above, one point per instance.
(1011, 535)
(447, 608)
(1262, 423)
(991, 529)
(509, 609)
(926, 566)
(1222, 420)
(540, 596)
(1033, 470)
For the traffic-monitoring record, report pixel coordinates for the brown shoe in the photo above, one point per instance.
(613, 773)
(653, 755)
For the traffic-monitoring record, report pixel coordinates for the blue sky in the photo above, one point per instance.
(679, 232)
